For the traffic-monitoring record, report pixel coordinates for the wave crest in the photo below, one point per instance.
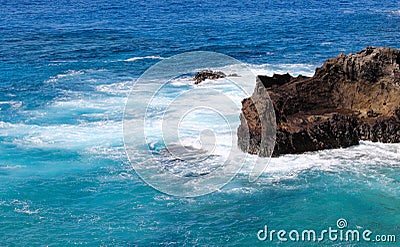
(132, 59)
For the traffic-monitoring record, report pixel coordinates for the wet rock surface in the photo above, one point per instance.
(207, 74)
(350, 98)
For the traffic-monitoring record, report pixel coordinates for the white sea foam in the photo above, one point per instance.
(119, 88)
(132, 59)
(97, 103)
(396, 12)
(91, 75)
(371, 163)
(26, 210)
(68, 73)
(108, 150)
(14, 104)
(293, 69)
(361, 159)
(185, 81)
(348, 11)
(74, 137)
(11, 167)
(23, 207)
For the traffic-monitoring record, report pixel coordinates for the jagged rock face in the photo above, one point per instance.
(350, 98)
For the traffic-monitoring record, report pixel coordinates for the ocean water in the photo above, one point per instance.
(66, 70)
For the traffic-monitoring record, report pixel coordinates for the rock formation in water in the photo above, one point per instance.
(350, 98)
(207, 74)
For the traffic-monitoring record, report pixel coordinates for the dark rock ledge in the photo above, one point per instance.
(350, 98)
(207, 74)
(210, 75)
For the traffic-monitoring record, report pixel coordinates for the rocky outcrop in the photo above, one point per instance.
(207, 74)
(350, 98)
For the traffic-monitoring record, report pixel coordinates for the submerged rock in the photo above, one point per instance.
(350, 98)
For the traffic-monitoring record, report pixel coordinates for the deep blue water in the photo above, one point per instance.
(66, 69)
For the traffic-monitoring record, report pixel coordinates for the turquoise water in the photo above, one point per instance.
(66, 69)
